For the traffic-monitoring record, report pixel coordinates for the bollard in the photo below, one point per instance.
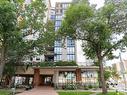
(13, 91)
(117, 92)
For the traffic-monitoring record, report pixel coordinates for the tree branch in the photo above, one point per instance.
(89, 41)
(112, 48)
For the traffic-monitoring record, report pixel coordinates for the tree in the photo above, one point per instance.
(32, 22)
(19, 22)
(7, 28)
(99, 29)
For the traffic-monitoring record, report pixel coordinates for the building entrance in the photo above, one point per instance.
(47, 80)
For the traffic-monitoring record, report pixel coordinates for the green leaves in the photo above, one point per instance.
(75, 16)
(96, 28)
(107, 74)
(7, 17)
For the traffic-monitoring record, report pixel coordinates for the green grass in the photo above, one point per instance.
(4, 92)
(74, 93)
(111, 93)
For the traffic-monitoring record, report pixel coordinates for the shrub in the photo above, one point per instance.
(86, 88)
(65, 63)
(70, 86)
(90, 86)
(60, 63)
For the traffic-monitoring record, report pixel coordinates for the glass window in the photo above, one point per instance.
(58, 50)
(58, 57)
(89, 77)
(52, 17)
(61, 5)
(56, 28)
(57, 5)
(64, 11)
(61, 11)
(71, 57)
(58, 23)
(71, 50)
(65, 6)
(58, 17)
(57, 11)
(58, 43)
(70, 42)
(67, 77)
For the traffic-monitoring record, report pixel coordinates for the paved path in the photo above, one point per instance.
(40, 91)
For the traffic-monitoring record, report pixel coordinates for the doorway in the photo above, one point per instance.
(47, 80)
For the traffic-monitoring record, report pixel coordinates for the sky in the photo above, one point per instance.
(99, 3)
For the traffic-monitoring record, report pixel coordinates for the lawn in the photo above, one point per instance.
(111, 93)
(75, 93)
(4, 92)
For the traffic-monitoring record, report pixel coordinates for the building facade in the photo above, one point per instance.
(66, 53)
(71, 51)
(121, 69)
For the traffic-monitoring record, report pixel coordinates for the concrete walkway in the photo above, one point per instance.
(40, 91)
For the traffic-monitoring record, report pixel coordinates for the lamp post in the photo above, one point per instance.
(122, 70)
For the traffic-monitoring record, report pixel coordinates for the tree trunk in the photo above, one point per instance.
(2, 62)
(99, 79)
(103, 83)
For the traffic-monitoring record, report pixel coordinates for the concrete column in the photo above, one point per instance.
(56, 77)
(64, 51)
(36, 77)
(78, 75)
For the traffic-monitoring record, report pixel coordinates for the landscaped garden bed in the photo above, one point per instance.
(112, 93)
(4, 92)
(74, 93)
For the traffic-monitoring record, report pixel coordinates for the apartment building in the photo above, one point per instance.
(71, 51)
(121, 69)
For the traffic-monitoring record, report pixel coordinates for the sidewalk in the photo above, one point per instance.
(40, 91)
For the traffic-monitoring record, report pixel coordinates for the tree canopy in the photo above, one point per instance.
(23, 29)
(8, 22)
(101, 30)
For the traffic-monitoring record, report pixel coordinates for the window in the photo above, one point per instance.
(58, 50)
(67, 77)
(57, 11)
(71, 57)
(58, 57)
(52, 17)
(56, 28)
(58, 23)
(71, 50)
(89, 77)
(64, 11)
(70, 42)
(58, 43)
(65, 6)
(58, 17)
(61, 5)
(61, 11)
(57, 5)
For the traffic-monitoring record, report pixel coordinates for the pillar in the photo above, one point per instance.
(78, 75)
(36, 77)
(56, 78)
